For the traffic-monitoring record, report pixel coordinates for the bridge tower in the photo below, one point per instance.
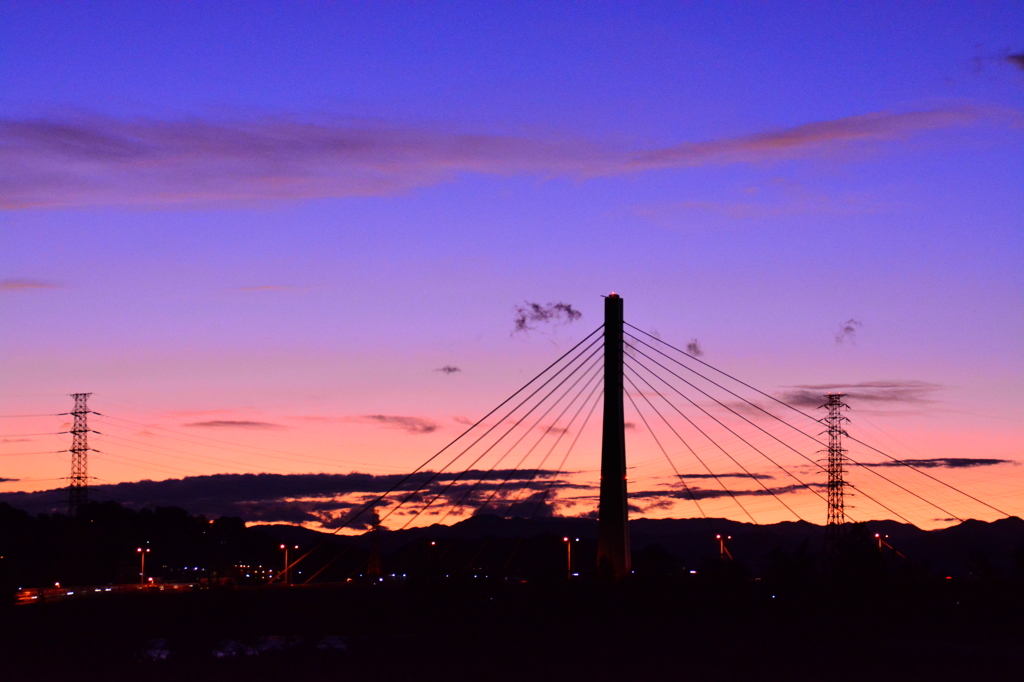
(613, 512)
(836, 457)
(78, 483)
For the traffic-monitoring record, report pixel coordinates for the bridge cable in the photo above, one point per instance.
(561, 466)
(514, 426)
(508, 416)
(671, 463)
(554, 479)
(508, 477)
(724, 451)
(798, 430)
(376, 501)
(720, 423)
(801, 412)
(529, 481)
(452, 506)
(683, 441)
(880, 504)
(572, 446)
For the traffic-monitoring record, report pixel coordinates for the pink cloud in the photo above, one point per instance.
(235, 424)
(807, 139)
(106, 161)
(24, 285)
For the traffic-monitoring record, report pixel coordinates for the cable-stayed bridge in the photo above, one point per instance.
(690, 412)
(701, 443)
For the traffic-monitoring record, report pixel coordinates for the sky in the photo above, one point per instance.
(293, 239)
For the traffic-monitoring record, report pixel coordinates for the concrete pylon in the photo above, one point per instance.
(613, 513)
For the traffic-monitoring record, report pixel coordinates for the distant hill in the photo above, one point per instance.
(967, 549)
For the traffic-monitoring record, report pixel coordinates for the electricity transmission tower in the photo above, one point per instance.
(836, 457)
(78, 482)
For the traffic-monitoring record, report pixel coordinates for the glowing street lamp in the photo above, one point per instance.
(142, 551)
(568, 559)
(723, 551)
(287, 571)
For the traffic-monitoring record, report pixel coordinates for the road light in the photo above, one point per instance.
(568, 559)
(287, 570)
(723, 551)
(142, 551)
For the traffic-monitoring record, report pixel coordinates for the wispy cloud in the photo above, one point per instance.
(941, 462)
(235, 424)
(848, 331)
(106, 161)
(728, 475)
(697, 493)
(409, 424)
(1016, 59)
(24, 284)
(877, 392)
(806, 139)
(267, 287)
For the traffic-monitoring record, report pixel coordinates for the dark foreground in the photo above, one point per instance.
(682, 628)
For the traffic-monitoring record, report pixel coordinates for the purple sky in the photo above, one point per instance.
(294, 214)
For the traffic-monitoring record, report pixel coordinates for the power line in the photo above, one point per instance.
(294, 457)
(19, 454)
(25, 435)
(20, 416)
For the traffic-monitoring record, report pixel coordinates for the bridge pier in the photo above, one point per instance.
(613, 512)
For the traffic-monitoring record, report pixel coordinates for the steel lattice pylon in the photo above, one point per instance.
(78, 483)
(836, 459)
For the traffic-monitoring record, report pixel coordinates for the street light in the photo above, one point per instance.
(287, 571)
(723, 551)
(142, 570)
(568, 559)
